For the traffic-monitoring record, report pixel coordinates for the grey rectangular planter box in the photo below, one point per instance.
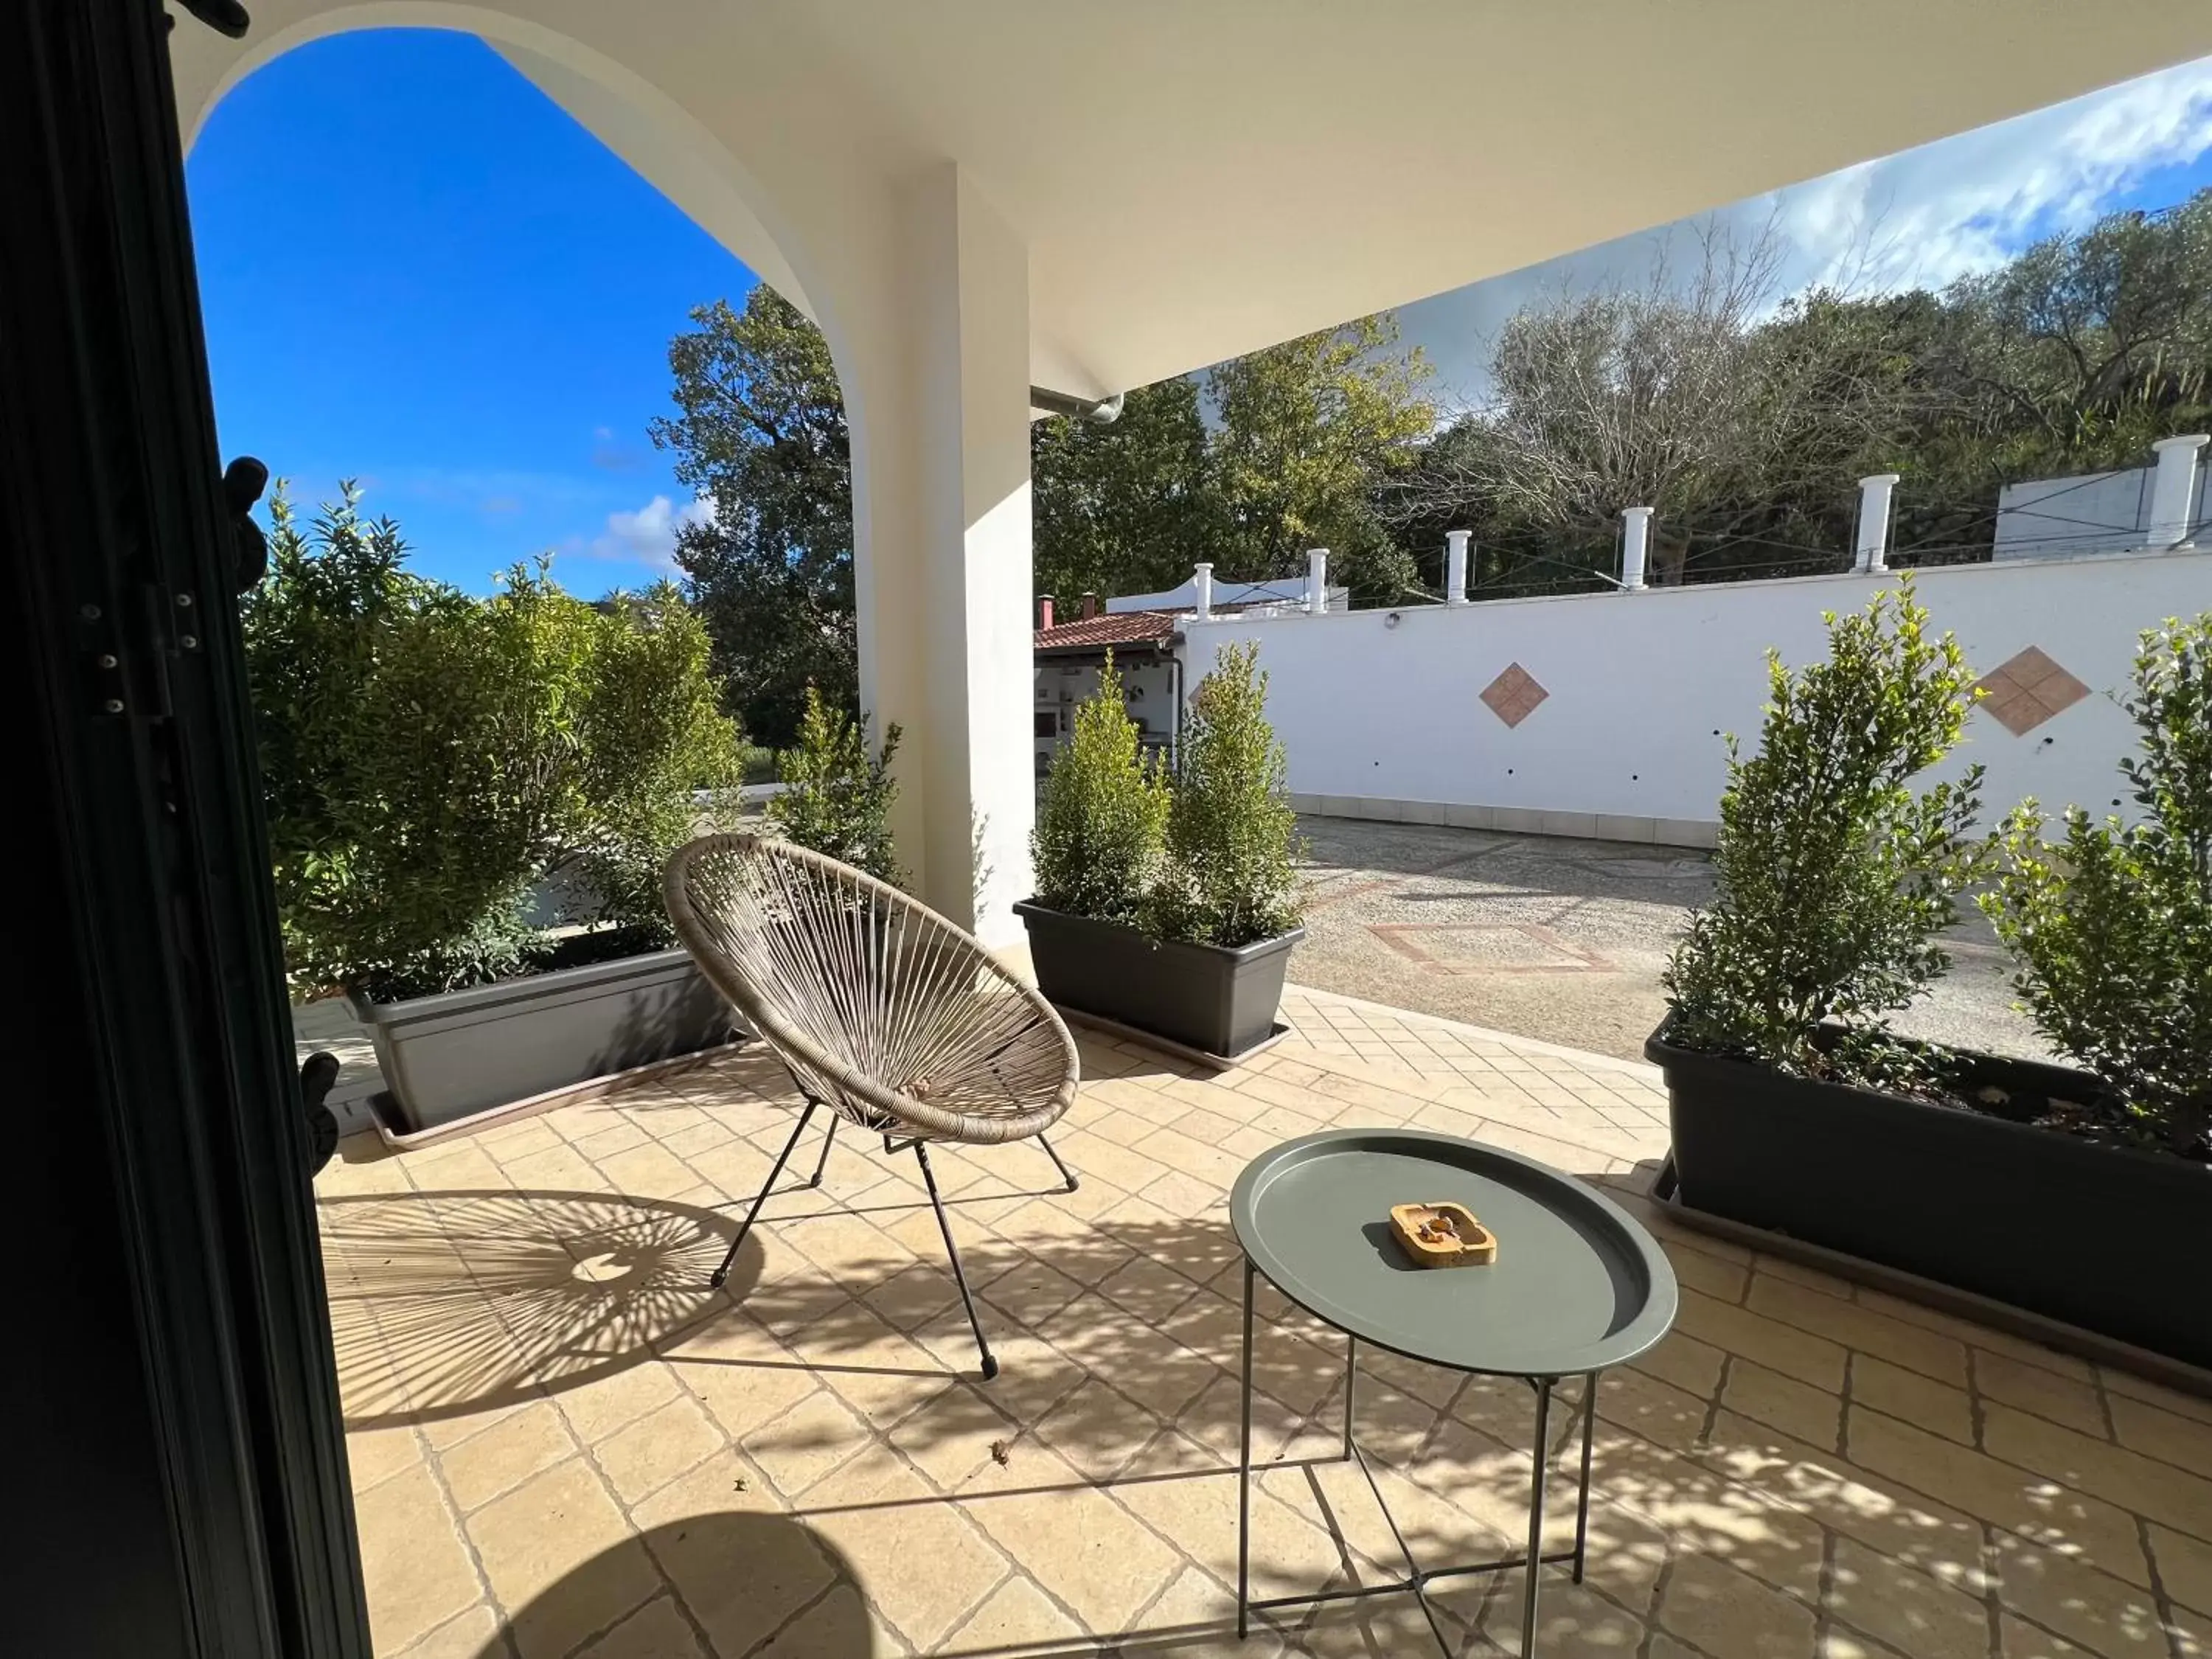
(463, 1052)
(1202, 996)
(2097, 1237)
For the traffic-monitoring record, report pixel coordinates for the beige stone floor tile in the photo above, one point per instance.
(597, 1408)
(374, 1455)
(1098, 1429)
(1810, 1414)
(474, 1635)
(1773, 1343)
(646, 1455)
(921, 1563)
(2091, 1608)
(2184, 1567)
(1695, 1504)
(1572, 1622)
(1094, 1556)
(741, 1565)
(1144, 1288)
(807, 1442)
(2034, 1505)
(1712, 1275)
(561, 1558)
(1683, 1360)
(1028, 1290)
(522, 1442)
(415, 1567)
(1196, 1617)
(1657, 1411)
(1912, 1611)
(2127, 1383)
(2148, 1486)
(1731, 1615)
(955, 1434)
(2073, 1402)
(876, 1369)
(558, 1168)
(658, 1629)
(2019, 1639)
(1913, 1398)
(1018, 1617)
(2184, 1442)
(1914, 1346)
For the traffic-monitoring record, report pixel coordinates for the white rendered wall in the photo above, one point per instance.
(1387, 721)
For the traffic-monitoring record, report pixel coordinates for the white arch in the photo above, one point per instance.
(655, 135)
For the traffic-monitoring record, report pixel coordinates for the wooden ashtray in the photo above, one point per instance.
(1442, 1234)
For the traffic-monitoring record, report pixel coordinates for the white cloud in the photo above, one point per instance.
(648, 535)
(1921, 218)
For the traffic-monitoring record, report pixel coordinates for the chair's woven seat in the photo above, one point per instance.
(885, 1011)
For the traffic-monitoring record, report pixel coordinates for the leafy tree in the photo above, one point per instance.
(1835, 874)
(1101, 818)
(1127, 506)
(836, 797)
(1310, 431)
(761, 433)
(2112, 926)
(1231, 876)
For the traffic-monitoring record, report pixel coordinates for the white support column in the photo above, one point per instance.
(1873, 539)
(941, 474)
(1317, 581)
(2173, 489)
(1455, 566)
(1203, 579)
(1635, 547)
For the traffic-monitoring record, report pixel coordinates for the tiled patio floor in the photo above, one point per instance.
(562, 1442)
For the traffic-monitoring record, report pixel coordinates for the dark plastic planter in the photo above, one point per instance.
(2099, 1237)
(1202, 996)
(450, 1056)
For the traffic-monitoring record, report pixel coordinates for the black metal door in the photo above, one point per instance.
(174, 1473)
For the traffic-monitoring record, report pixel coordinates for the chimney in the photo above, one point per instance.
(1044, 612)
(1090, 606)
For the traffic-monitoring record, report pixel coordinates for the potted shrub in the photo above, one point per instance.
(469, 802)
(1169, 907)
(836, 797)
(1794, 1107)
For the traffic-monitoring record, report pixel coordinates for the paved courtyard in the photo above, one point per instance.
(562, 1442)
(1557, 938)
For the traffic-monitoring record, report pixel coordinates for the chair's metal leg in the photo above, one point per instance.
(767, 1187)
(952, 1250)
(1582, 1504)
(1066, 1174)
(1543, 1449)
(828, 1141)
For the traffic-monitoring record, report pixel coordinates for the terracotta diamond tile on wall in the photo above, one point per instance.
(1514, 694)
(2028, 688)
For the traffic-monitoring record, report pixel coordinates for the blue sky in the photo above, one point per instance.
(451, 291)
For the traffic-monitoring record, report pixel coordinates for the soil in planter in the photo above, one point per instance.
(1990, 1086)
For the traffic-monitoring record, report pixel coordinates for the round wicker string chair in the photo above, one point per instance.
(886, 1015)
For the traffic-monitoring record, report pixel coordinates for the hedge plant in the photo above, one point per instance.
(836, 797)
(1102, 821)
(1836, 869)
(1231, 877)
(2111, 926)
(434, 764)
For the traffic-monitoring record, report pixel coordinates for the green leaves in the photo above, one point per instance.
(1102, 823)
(2112, 927)
(1210, 858)
(1232, 878)
(1835, 874)
(427, 757)
(836, 797)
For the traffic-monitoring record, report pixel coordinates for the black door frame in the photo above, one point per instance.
(175, 1478)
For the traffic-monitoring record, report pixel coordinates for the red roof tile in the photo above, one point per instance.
(1108, 628)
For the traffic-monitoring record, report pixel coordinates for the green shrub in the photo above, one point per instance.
(1230, 876)
(429, 757)
(836, 797)
(1834, 874)
(2112, 926)
(1101, 820)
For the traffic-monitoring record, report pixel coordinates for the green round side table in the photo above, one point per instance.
(1578, 1286)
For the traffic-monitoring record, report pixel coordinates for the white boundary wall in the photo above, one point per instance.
(1383, 719)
